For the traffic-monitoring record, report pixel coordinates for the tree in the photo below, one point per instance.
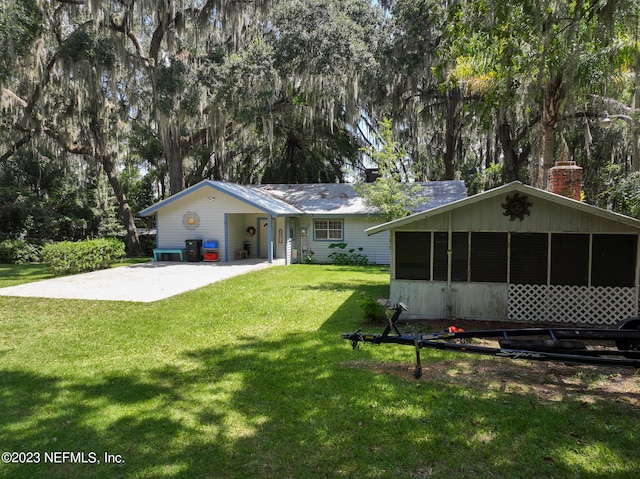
(388, 194)
(499, 79)
(71, 58)
(21, 23)
(296, 93)
(288, 90)
(537, 59)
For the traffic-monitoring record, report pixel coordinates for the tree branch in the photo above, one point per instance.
(63, 143)
(14, 97)
(15, 147)
(120, 28)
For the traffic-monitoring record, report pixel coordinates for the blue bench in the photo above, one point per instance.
(159, 251)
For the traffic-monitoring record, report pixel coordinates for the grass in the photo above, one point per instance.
(12, 275)
(248, 378)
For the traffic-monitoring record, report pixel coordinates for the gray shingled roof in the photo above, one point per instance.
(316, 199)
(340, 198)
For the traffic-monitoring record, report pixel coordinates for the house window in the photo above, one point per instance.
(613, 260)
(529, 253)
(327, 230)
(413, 250)
(489, 257)
(570, 259)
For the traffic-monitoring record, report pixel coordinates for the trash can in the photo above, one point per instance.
(193, 249)
(247, 248)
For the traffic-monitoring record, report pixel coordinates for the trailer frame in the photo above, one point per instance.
(567, 345)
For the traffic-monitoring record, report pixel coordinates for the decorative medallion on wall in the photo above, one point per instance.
(516, 206)
(191, 220)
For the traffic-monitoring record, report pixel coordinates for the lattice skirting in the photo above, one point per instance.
(571, 304)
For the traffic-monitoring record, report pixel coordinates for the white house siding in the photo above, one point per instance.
(376, 247)
(172, 233)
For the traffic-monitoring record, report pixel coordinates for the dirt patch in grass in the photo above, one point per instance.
(547, 381)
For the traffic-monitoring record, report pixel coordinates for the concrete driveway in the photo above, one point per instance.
(144, 282)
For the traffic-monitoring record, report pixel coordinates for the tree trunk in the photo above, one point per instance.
(451, 133)
(553, 96)
(548, 152)
(508, 150)
(134, 248)
(173, 153)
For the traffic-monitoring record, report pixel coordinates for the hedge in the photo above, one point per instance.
(69, 257)
(18, 251)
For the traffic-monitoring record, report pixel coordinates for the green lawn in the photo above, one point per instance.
(11, 275)
(248, 378)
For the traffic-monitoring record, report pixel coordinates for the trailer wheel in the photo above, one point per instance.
(418, 372)
(629, 344)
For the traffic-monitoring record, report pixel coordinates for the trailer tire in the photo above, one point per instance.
(417, 373)
(629, 344)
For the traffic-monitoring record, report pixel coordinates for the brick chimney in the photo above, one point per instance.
(565, 179)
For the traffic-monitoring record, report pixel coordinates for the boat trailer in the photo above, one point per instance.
(567, 345)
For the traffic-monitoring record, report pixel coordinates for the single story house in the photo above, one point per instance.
(516, 253)
(289, 223)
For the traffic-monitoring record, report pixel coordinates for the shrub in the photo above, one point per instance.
(18, 252)
(308, 258)
(68, 257)
(371, 308)
(148, 243)
(350, 257)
